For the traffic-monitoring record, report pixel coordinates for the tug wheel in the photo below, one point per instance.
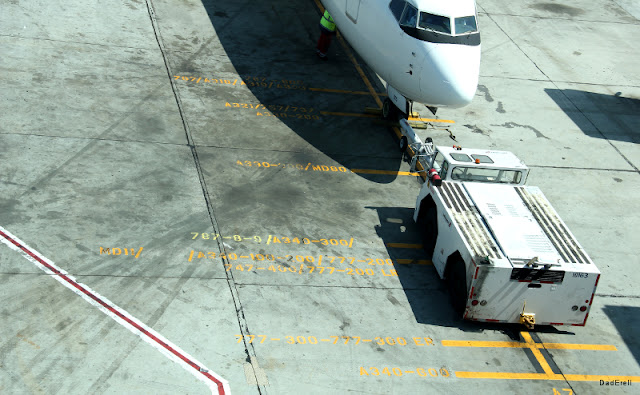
(428, 224)
(457, 284)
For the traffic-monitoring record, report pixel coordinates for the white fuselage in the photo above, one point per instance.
(441, 72)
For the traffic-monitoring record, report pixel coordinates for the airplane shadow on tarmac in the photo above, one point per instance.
(613, 117)
(427, 294)
(272, 45)
(626, 319)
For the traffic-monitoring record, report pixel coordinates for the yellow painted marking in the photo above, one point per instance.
(542, 376)
(473, 343)
(536, 352)
(349, 114)
(430, 120)
(535, 349)
(593, 377)
(389, 172)
(343, 91)
(414, 261)
(403, 245)
(503, 376)
(372, 91)
(563, 346)
(553, 346)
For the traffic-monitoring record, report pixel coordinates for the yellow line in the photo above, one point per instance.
(359, 69)
(430, 120)
(398, 133)
(403, 245)
(543, 376)
(593, 377)
(563, 346)
(355, 63)
(349, 114)
(551, 346)
(536, 352)
(414, 261)
(498, 375)
(389, 172)
(473, 343)
(343, 91)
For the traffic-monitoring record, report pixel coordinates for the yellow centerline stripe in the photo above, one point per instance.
(355, 62)
(499, 375)
(414, 261)
(593, 377)
(536, 352)
(348, 114)
(552, 346)
(473, 343)
(430, 120)
(388, 172)
(563, 346)
(342, 91)
(360, 71)
(543, 376)
(403, 245)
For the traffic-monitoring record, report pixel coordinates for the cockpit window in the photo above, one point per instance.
(435, 22)
(396, 7)
(466, 24)
(409, 17)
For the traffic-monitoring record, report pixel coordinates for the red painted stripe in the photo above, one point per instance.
(491, 320)
(476, 275)
(556, 323)
(471, 293)
(597, 279)
(524, 281)
(585, 320)
(114, 311)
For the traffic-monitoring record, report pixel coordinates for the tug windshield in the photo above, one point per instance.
(479, 174)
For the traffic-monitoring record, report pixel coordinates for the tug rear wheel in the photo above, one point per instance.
(457, 284)
(428, 224)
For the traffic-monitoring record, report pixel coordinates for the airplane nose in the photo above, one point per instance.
(456, 74)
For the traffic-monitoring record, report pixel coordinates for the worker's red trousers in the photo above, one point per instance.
(323, 42)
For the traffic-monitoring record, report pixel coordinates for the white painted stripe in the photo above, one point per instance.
(153, 338)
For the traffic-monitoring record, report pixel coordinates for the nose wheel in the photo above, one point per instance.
(388, 109)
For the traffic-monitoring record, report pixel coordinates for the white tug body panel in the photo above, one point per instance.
(520, 259)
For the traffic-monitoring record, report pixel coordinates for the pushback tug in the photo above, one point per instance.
(501, 247)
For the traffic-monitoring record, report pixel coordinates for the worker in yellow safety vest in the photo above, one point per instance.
(327, 30)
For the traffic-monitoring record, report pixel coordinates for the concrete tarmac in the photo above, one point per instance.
(220, 212)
